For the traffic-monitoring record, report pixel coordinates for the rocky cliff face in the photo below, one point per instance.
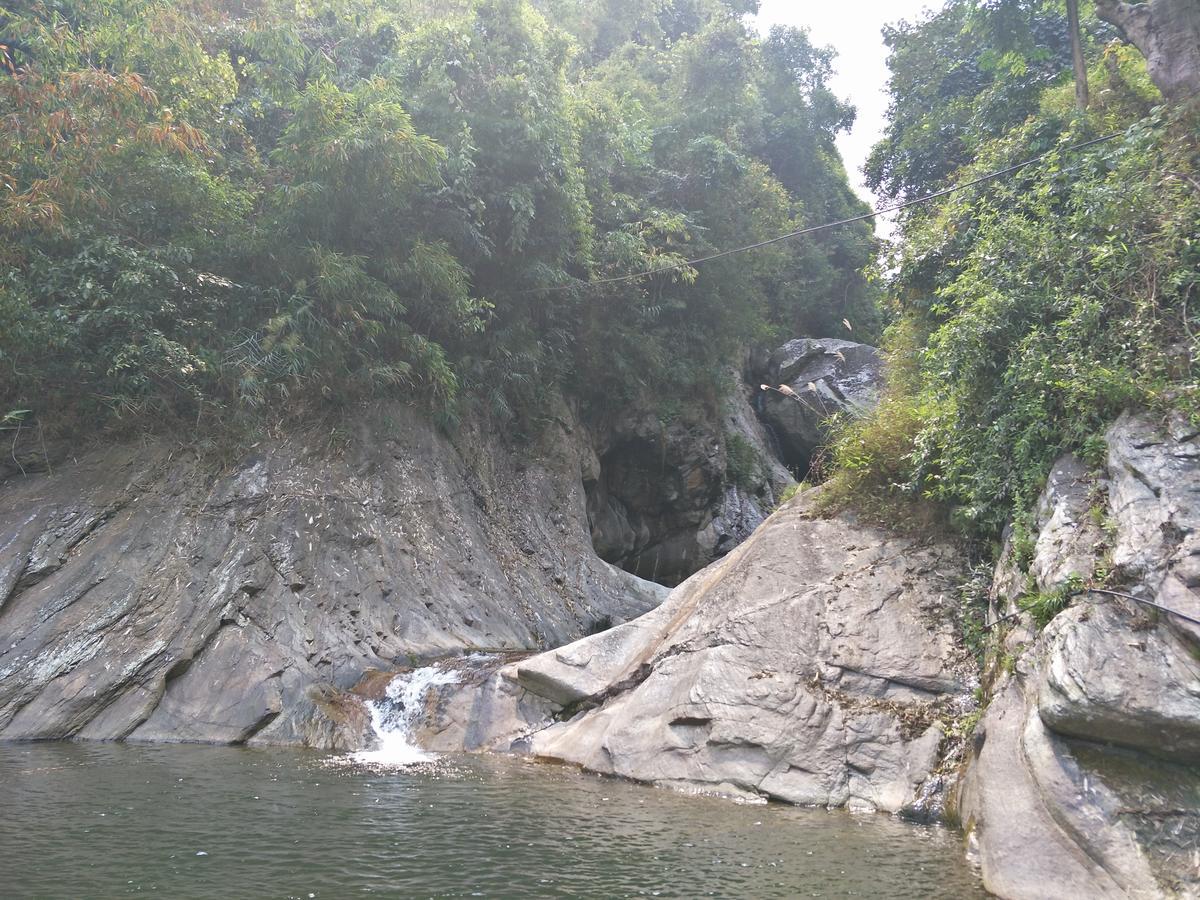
(146, 596)
(817, 664)
(1084, 779)
(149, 595)
(809, 380)
(665, 499)
(820, 663)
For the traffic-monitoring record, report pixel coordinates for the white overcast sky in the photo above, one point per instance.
(852, 27)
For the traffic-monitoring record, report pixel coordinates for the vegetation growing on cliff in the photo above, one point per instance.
(211, 207)
(211, 210)
(1028, 310)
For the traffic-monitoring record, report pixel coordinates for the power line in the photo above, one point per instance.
(616, 279)
(988, 626)
(1144, 601)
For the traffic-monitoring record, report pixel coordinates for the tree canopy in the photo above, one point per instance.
(212, 208)
(1031, 309)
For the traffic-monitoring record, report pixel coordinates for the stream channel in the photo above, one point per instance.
(109, 820)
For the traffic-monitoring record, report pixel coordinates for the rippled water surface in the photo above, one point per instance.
(79, 820)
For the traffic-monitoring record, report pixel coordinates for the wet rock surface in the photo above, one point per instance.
(814, 664)
(1085, 779)
(146, 595)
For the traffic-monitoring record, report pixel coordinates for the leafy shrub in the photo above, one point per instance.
(743, 465)
(1035, 307)
(872, 453)
(214, 209)
(1045, 605)
(1064, 308)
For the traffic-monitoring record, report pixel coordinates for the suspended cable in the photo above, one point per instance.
(616, 279)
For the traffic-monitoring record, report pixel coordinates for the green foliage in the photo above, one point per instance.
(964, 726)
(213, 208)
(1066, 303)
(743, 465)
(872, 452)
(962, 77)
(789, 492)
(1045, 605)
(1033, 308)
(109, 325)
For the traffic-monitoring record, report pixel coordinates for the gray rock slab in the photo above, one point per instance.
(812, 665)
(145, 593)
(823, 377)
(1085, 778)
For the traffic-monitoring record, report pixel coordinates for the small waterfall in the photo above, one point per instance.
(773, 439)
(760, 411)
(396, 716)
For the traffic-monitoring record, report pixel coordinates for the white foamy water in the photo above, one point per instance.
(394, 718)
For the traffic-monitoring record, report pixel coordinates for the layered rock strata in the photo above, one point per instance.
(1085, 775)
(149, 595)
(818, 663)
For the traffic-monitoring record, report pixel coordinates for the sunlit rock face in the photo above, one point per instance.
(1085, 777)
(807, 381)
(814, 665)
(149, 595)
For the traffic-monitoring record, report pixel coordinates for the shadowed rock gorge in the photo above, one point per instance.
(397, 378)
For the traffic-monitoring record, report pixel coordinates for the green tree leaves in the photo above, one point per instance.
(218, 206)
(1035, 307)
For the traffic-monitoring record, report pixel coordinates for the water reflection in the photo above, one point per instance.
(107, 820)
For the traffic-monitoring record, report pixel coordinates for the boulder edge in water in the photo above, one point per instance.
(816, 664)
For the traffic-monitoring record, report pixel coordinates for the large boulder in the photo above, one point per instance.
(818, 664)
(1084, 780)
(149, 595)
(819, 377)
